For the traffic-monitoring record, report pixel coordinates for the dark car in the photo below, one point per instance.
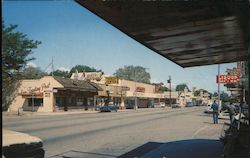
(189, 104)
(176, 106)
(108, 108)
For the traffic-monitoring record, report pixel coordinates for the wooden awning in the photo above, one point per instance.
(187, 33)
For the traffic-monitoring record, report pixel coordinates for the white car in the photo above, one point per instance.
(209, 109)
(162, 104)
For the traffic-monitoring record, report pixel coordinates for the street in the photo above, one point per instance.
(113, 134)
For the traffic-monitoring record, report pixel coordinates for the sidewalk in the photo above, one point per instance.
(17, 144)
(29, 113)
(74, 111)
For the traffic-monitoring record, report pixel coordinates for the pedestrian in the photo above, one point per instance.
(215, 108)
(231, 111)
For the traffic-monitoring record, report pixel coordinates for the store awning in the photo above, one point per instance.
(187, 33)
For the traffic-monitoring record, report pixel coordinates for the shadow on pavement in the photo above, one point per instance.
(193, 148)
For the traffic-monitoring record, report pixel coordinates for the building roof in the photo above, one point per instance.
(77, 84)
(192, 33)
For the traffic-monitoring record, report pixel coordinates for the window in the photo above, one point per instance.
(37, 102)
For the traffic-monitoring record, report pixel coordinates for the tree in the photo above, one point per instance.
(224, 97)
(16, 48)
(215, 94)
(164, 89)
(33, 73)
(61, 73)
(210, 95)
(197, 92)
(83, 68)
(133, 73)
(181, 87)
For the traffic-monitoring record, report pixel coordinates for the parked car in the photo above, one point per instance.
(162, 104)
(97, 108)
(209, 110)
(109, 108)
(176, 106)
(203, 104)
(189, 104)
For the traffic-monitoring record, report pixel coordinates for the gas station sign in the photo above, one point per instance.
(227, 78)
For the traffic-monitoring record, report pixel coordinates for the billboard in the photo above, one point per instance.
(227, 78)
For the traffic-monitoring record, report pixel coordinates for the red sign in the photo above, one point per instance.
(228, 79)
(140, 89)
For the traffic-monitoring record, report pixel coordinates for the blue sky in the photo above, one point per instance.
(72, 35)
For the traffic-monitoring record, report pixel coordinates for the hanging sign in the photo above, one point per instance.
(227, 79)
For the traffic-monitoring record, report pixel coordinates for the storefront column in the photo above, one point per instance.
(136, 104)
(95, 98)
(48, 102)
(122, 103)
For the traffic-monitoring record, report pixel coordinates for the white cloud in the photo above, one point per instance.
(31, 64)
(63, 69)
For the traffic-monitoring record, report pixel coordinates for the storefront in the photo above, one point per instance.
(50, 94)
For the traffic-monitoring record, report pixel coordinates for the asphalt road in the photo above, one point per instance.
(113, 134)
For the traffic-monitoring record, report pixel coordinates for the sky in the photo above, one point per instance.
(72, 35)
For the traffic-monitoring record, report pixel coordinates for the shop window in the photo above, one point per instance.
(79, 101)
(37, 102)
(58, 101)
(90, 101)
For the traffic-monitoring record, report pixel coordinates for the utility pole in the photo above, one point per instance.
(170, 100)
(219, 87)
(52, 67)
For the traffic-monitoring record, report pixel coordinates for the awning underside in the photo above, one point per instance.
(188, 34)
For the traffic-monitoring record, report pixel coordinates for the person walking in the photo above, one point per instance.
(215, 108)
(231, 111)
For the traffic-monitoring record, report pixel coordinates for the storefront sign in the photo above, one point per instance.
(111, 80)
(234, 89)
(140, 89)
(227, 78)
(125, 88)
(93, 76)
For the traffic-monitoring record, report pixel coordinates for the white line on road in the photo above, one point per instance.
(199, 130)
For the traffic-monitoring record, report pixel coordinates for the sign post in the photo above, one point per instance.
(169, 81)
(219, 87)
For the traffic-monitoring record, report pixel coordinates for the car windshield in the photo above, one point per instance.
(104, 79)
